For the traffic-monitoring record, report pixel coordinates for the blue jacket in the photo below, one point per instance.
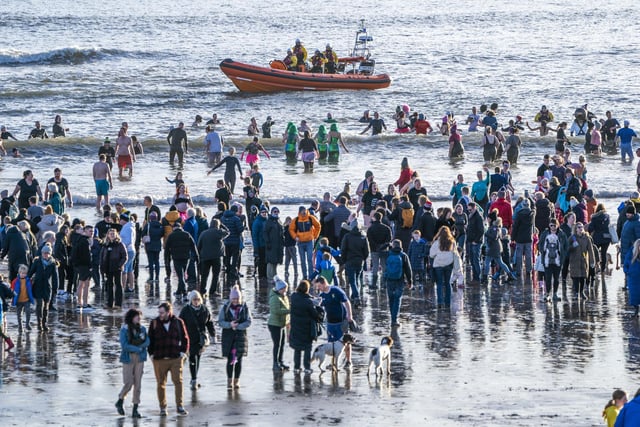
(191, 226)
(417, 253)
(257, 235)
(234, 225)
(320, 250)
(127, 347)
(632, 270)
(630, 233)
(629, 415)
(16, 289)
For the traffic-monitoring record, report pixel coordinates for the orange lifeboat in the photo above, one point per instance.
(252, 78)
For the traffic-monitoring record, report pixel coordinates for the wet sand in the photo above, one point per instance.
(499, 357)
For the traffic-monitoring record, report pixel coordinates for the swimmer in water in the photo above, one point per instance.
(178, 181)
(230, 162)
(15, 152)
(335, 142)
(254, 149)
(58, 129)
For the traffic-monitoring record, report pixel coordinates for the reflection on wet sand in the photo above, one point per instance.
(497, 347)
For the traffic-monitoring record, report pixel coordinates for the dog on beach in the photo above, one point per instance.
(381, 355)
(332, 349)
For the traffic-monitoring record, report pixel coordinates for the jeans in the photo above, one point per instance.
(376, 258)
(353, 272)
(290, 256)
(395, 288)
(443, 277)
(306, 358)
(475, 259)
(278, 337)
(23, 307)
(626, 150)
(305, 249)
(523, 249)
(460, 241)
(214, 266)
(154, 264)
(498, 261)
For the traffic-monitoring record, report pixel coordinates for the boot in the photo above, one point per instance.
(135, 413)
(277, 367)
(236, 383)
(10, 343)
(120, 407)
(229, 384)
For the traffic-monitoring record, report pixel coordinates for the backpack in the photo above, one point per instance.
(327, 270)
(393, 266)
(407, 217)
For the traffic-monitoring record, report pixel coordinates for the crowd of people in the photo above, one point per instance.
(556, 237)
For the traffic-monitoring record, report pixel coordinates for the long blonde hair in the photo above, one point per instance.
(445, 239)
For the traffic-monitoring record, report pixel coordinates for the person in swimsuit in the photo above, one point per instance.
(58, 129)
(254, 149)
(124, 151)
(231, 162)
(102, 178)
(182, 201)
(335, 142)
(308, 151)
(290, 140)
(321, 142)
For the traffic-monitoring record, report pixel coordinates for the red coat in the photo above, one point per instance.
(505, 211)
(405, 176)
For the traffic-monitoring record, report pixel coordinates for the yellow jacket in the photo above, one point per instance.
(331, 56)
(305, 228)
(300, 50)
(291, 61)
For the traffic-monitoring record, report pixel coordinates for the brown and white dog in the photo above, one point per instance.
(332, 349)
(381, 355)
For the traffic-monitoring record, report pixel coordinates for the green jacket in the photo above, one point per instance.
(278, 309)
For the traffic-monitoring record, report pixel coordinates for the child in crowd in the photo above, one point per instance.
(257, 179)
(23, 298)
(178, 181)
(611, 410)
(417, 254)
(290, 252)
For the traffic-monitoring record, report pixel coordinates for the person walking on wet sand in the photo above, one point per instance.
(168, 346)
(133, 342)
(234, 318)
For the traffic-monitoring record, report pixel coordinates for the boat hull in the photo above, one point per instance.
(251, 78)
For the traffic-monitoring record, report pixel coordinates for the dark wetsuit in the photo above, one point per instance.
(231, 163)
(38, 133)
(109, 153)
(7, 135)
(175, 138)
(58, 130)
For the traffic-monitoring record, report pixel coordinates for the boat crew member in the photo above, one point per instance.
(291, 61)
(301, 55)
(317, 62)
(332, 60)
